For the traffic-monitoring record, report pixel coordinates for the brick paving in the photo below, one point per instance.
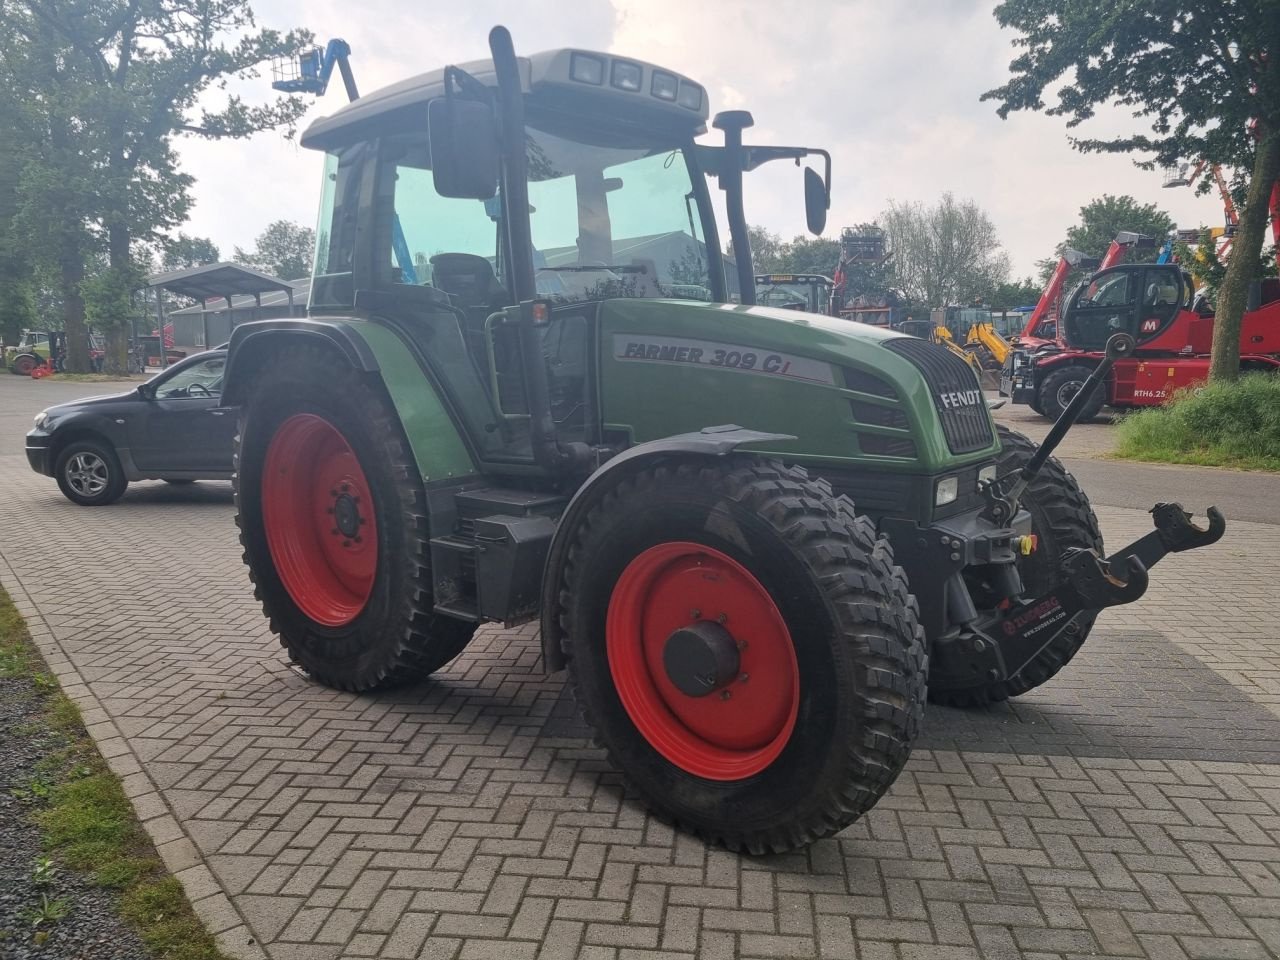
(1130, 808)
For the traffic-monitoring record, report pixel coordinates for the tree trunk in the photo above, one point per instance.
(71, 266)
(1234, 293)
(117, 336)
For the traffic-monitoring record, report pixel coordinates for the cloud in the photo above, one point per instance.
(891, 89)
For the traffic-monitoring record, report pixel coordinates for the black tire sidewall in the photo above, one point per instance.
(1059, 378)
(683, 512)
(116, 481)
(339, 656)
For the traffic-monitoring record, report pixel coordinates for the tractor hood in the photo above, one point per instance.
(824, 379)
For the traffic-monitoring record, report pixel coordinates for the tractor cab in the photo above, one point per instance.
(436, 218)
(794, 291)
(1142, 300)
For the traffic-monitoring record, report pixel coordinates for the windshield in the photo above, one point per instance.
(794, 296)
(609, 218)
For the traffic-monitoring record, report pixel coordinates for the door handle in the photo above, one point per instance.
(218, 413)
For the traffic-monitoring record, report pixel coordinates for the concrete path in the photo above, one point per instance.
(1129, 808)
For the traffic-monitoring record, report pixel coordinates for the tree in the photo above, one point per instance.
(1100, 220)
(945, 254)
(1206, 74)
(804, 254)
(109, 84)
(184, 252)
(766, 247)
(283, 250)
(1014, 293)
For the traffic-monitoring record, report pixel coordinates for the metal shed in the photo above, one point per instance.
(228, 294)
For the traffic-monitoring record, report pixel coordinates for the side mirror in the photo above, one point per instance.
(464, 148)
(816, 201)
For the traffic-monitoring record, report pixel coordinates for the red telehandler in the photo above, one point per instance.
(1173, 327)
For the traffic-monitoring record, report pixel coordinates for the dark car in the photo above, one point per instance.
(170, 428)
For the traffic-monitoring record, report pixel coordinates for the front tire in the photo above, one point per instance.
(1060, 386)
(333, 522)
(1062, 519)
(89, 473)
(813, 716)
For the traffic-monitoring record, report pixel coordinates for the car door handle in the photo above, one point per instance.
(218, 413)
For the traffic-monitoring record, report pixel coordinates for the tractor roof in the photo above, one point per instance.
(551, 69)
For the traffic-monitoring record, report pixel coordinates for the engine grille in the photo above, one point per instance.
(966, 424)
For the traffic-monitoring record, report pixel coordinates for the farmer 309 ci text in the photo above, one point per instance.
(500, 409)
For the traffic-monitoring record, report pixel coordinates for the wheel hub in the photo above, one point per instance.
(701, 658)
(346, 515)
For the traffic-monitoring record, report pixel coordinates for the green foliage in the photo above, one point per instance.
(1222, 424)
(44, 872)
(102, 88)
(183, 252)
(283, 250)
(159, 909)
(1104, 217)
(1015, 293)
(805, 254)
(48, 912)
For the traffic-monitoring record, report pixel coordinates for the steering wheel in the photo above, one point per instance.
(198, 390)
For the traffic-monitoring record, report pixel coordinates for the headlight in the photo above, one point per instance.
(690, 96)
(986, 475)
(946, 492)
(41, 417)
(586, 69)
(626, 76)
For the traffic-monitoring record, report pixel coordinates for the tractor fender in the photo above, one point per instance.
(707, 442)
(256, 336)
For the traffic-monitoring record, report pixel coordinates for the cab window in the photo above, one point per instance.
(199, 381)
(1111, 290)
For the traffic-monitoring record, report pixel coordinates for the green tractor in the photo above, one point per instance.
(754, 537)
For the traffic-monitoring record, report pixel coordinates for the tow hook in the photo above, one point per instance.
(1086, 583)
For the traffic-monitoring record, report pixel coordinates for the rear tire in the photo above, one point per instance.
(1062, 519)
(89, 473)
(353, 608)
(1058, 387)
(834, 669)
(23, 364)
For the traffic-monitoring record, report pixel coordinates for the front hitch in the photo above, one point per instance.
(1003, 646)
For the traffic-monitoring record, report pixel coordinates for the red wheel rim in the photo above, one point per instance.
(318, 513)
(741, 728)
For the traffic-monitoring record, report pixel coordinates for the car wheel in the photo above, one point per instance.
(89, 473)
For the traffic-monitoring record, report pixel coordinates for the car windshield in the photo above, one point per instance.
(609, 218)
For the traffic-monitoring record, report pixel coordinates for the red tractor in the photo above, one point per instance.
(1174, 332)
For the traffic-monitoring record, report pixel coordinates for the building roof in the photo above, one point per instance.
(217, 280)
(275, 298)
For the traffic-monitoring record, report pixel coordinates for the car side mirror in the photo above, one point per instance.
(816, 201)
(464, 148)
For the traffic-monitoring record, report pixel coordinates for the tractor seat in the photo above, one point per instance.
(469, 279)
(473, 286)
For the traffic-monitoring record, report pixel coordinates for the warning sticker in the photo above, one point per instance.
(728, 356)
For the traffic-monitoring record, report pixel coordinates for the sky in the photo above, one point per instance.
(891, 89)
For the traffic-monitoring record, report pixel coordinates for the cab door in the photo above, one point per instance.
(181, 426)
(1104, 304)
(1163, 293)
